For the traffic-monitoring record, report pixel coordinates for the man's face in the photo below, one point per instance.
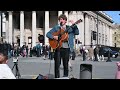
(2, 59)
(62, 21)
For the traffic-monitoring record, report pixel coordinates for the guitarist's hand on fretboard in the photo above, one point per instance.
(55, 37)
(71, 21)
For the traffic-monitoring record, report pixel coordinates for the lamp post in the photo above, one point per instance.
(91, 37)
(97, 27)
(84, 28)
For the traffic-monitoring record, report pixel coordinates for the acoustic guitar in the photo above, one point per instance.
(62, 36)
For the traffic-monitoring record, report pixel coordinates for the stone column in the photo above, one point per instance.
(104, 33)
(7, 31)
(73, 16)
(109, 36)
(46, 26)
(22, 28)
(0, 24)
(59, 13)
(66, 13)
(94, 29)
(4, 21)
(100, 32)
(10, 27)
(107, 33)
(82, 29)
(34, 28)
(87, 40)
(110, 39)
(78, 16)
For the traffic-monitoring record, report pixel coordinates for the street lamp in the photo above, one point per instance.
(84, 27)
(97, 27)
(91, 37)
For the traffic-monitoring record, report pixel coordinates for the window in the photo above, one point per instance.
(40, 25)
(99, 37)
(106, 39)
(115, 44)
(102, 38)
(29, 40)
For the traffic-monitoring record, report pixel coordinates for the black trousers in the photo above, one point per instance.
(61, 54)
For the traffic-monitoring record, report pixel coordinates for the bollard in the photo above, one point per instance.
(84, 56)
(95, 53)
(85, 71)
(108, 60)
(96, 58)
(117, 76)
(30, 52)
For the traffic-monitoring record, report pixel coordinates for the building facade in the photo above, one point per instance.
(116, 35)
(26, 25)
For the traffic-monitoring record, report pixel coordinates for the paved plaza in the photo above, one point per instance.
(31, 67)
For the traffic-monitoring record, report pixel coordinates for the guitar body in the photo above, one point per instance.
(54, 43)
(64, 36)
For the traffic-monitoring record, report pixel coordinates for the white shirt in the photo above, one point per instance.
(6, 72)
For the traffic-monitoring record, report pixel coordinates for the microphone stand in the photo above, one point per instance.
(58, 61)
(58, 53)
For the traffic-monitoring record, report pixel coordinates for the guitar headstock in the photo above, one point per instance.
(78, 21)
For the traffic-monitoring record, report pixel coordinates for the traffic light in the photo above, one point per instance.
(94, 35)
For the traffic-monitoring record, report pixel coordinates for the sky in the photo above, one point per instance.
(114, 15)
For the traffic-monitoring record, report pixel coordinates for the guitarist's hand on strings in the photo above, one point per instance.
(55, 37)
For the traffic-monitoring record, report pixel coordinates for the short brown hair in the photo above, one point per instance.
(63, 17)
(3, 58)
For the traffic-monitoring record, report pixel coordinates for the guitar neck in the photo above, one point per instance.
(78, 21)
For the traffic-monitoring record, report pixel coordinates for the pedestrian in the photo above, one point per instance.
(117, 75)
(96, 53)
(62, 53)
(84, 53)
(5, 71)
(101, 53)
(91, 53)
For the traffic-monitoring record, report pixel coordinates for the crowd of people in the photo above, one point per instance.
(39, 50)
(93, 53)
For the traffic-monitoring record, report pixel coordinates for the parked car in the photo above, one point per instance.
(112, 53)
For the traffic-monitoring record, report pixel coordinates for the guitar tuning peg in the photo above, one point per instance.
(81, 20)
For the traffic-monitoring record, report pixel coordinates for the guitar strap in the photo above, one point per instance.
(67, 27)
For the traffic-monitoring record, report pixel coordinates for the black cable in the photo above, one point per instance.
(50, 67)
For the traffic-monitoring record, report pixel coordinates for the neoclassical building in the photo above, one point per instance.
(26, 25)
(116, 35)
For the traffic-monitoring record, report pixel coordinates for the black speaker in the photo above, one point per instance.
(85, 71)
(94, 35)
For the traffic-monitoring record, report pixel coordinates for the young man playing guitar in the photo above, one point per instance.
(65, 43)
